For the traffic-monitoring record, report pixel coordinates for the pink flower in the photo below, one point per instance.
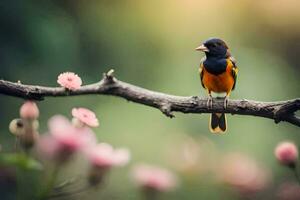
(29, 110)
(243, 173)
(104, 156)
(69, 80)
(65, 139)
(69, 136)
(289, 191)
(286, 153)
(153, 177)
(85, 116)
(48, 147)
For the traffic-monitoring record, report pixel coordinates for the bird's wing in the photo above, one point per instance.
(234, 70)
(201, 70)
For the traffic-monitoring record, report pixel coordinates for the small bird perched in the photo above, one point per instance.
(218, 73)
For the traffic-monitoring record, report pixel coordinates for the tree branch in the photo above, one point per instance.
(109, 85)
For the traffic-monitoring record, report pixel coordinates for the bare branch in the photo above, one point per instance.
(109, 85)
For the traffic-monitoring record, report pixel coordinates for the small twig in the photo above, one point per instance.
(167, 110)
(109, 85)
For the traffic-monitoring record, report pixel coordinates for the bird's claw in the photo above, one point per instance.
(209, 102)
(226, 102)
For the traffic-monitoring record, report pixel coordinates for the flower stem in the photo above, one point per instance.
(296, 174)
(17, 144)
(150, 194)
(50, 184)
(71, 193)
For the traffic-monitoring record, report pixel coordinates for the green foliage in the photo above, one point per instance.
(20, 161)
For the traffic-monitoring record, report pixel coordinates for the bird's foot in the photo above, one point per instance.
(226, 102)
(209, 102)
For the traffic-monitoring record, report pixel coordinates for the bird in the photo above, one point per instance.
(218, 74)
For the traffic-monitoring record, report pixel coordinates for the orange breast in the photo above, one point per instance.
(219, 83)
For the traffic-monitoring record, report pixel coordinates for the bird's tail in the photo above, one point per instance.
(218, 123)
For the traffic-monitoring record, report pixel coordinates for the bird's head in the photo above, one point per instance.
(214, 47)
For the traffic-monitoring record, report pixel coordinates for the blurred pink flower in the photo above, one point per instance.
(286, 153)
(122, 157)
(243, 173)
(153, 177)
(29, 110)
(85, 116)
(69, 80)
(69, 136)
(289, 191)
(48, 147)
(65, 139)
(104, 156)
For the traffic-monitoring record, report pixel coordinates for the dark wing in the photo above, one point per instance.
(234, 70)
(201, 70)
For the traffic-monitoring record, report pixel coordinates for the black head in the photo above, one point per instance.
(214, 47)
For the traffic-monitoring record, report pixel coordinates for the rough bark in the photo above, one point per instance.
(109, 85)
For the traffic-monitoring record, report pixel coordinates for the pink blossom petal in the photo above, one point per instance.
(68, 136)
(104, 156)
(121, 157)
(69, 80)
(101, 155)
(58, 123)
(47, 147)
(86, 116)
(87, 136)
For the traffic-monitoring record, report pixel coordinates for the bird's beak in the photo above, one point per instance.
(202, 48)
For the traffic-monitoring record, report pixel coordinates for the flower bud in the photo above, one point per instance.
(17, 127)
(29, 110)
(287, 153)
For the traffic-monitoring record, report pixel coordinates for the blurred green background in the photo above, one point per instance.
(151, 44)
